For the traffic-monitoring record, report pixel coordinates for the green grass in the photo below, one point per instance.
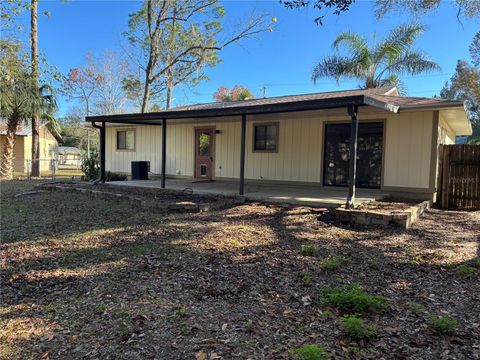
(356, 329)
(334, 262)
(444, 325)
(417, 308)
(353, 300)
(309, 250)
(307, 277)
(310, 352)
(465, 270)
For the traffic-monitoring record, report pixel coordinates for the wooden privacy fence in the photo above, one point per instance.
(459, 177)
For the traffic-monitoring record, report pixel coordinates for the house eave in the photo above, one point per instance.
(156, 117)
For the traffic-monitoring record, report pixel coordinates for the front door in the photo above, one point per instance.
(204, 153)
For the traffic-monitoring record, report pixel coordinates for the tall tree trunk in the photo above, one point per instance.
(148, 83)
(6, 167)
(146, 96)
(34, 59)
(169, 91)
(169, 75)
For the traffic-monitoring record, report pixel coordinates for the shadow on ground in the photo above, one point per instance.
(99, 279)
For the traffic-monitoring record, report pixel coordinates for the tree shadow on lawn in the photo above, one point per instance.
(173, 288)
(382, 264)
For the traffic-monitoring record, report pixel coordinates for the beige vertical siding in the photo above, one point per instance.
(18, 153)
(407, 153)
(445, 133)
(408, 149)
(45, 139)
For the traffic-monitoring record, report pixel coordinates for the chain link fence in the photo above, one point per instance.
(55, 169)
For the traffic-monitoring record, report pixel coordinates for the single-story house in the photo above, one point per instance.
(69, 155)
(22, 152)
(304, 140)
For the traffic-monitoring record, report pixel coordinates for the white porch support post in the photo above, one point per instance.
(242, 154)
(164, 150)
(352, 171)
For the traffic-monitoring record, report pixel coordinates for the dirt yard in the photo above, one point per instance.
(100, 279)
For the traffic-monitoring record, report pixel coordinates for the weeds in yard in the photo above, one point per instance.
(179, 311)
(310, 352)
(307, 277)
(415, 258)
(353, 300)
(334, 262)
(476, 262)
(444, 325)
(417, 308)
(465, 269)
(249, 326)
(309, 250)
(355, 328)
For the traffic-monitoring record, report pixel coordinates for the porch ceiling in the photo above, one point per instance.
(309, 195)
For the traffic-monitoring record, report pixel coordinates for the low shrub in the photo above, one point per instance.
(309, 250)
(334, 262)
(444, 325)
(353, 300)
(416, 308)
(355, 328)
(310, 352)
(90, 165)
(476, 262)
(111, 176)
(307, 277)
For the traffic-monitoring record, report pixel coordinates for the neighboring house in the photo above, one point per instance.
(300, 139)
(69, 155)
(48, 144)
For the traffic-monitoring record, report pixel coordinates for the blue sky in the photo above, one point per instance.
(282, 60)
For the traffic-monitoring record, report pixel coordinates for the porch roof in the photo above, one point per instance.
(386, 98)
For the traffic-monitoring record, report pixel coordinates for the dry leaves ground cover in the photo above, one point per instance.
(100, 279)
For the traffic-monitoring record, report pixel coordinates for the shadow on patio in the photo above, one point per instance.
(310, 195)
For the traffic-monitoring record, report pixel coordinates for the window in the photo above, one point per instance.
(126, 140)
(265, 137)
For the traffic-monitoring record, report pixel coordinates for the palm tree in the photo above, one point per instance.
(19, 100)
(379, 64)
(34, 63)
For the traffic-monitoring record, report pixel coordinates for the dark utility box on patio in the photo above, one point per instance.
(140, 170)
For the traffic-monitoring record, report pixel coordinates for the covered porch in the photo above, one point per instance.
(308, 195)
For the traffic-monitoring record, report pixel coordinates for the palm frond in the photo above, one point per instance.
(352, 41)
(413, 62)
(398, 41)
(338, 67)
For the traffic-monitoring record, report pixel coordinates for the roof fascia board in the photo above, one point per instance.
(150, 118)
(381, 105)
(451, 105)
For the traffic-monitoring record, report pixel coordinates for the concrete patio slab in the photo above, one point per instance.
(309, 195)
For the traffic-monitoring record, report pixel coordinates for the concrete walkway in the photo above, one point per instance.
(278, 193)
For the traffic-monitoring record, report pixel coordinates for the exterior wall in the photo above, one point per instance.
(69, 159)
(446, 135)
(407, 156)
(407, 147)
(46, 141)
(18, 153)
